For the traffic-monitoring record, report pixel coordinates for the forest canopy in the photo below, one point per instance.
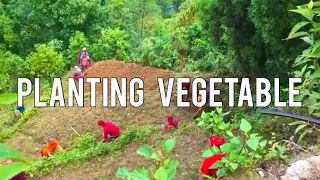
(229, 38)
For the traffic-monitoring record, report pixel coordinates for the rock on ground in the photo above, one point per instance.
(307, 169)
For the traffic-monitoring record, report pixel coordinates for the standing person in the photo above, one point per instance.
(82, 52)
(21, 109)
(85, 62)
(110, 130)
(171, 124)
(50, 147)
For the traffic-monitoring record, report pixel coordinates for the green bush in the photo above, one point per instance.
(76, 43)
(45, 62)
(158, 51)
(12, 67)
(113, 43)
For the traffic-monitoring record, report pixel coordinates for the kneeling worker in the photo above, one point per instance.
(110, 130)
(51, 147)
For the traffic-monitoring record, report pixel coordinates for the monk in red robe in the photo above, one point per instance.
(109, 130)
(171, 124)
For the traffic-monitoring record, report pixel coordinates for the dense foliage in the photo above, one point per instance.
(224, 37)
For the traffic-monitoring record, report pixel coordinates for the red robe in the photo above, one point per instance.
(109, 128)
(208, 162)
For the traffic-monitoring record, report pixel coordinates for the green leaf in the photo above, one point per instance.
(122, 173)
(304, 69)
(296, 28)
(217, 164)
(201, 123)
(315, 75)
(316, 114)
(298, 34)
(253, 143)
(171, 172)
(226, 147)
(300, 127)
(314, 54)
(233, 167)
(219, 110)
(10, 170)
(8, 98)
(303, 134)
(221, 172)
(297, 122)
(215, 149)
(299, 97)
(145, 151)
(235, 141)
(310, 4)
(173, 164)
(155, 156)
(241, 159)
(169, 144)
(229, 133)
(161, 174)
(263, 143)
(245, 126)
(139, 174)
(305, 60)
(207, 153)
(204, 115)
(222, 126)
(304, 12)
(8, 153)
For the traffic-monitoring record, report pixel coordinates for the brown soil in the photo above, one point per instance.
(117, 69)
(58, 122)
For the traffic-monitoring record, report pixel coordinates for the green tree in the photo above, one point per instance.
(45, 62)
(12, 67)
(113, 43)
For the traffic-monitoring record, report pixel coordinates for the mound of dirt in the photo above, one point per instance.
(118, 69)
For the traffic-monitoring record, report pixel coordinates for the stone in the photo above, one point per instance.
(307, 169)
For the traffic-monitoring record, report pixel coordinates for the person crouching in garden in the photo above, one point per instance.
(50, 147)
(77, 73)
(205, 170)
(110, 130)
(171, 124)
(21, 109)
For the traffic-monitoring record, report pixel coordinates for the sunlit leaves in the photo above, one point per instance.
(8, 98)
(245, 126)
(294, 34)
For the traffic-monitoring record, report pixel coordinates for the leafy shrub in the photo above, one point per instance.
(242, 147)
(45, 62)
(165, 166)
(12, 67)
(113, 43)
(307, 64)
(158, 52)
